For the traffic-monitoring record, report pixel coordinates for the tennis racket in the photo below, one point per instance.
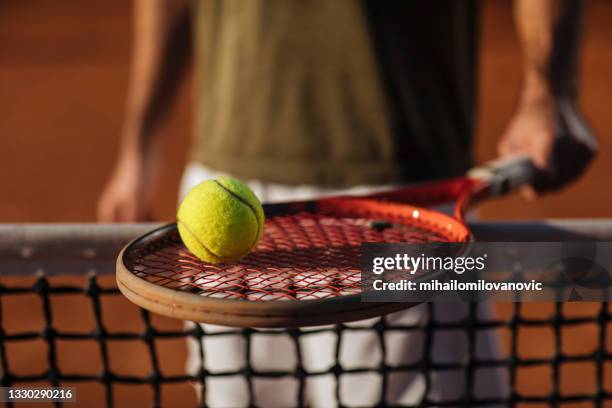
(305, 270)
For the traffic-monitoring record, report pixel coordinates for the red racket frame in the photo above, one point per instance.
(493, 179)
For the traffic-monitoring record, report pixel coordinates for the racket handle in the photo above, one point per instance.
(505, 174)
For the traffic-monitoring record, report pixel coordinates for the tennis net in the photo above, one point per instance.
(63, 322)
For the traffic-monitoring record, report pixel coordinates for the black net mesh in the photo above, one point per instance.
(79, 331)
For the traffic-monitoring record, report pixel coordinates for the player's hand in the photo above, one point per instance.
(555, 136)
(127, 197)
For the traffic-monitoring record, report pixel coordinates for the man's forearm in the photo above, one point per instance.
(547, 125)
(549, 31)
(160, 51)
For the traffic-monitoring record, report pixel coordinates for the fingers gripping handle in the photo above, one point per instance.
(506, 174)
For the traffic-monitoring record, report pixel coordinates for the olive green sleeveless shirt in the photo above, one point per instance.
(334, 92)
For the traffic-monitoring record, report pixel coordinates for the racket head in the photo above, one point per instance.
(185, 305)
(304, 272)
(274, 287)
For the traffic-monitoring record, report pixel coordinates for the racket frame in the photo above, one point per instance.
(493, 179)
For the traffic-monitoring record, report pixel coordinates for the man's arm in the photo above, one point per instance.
(160, 52)
(547, 125)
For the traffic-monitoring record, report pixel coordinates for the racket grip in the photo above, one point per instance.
(506, 174)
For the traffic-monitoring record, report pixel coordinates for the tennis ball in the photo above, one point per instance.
(220, 220)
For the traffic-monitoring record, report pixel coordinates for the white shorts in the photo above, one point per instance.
(363, 349)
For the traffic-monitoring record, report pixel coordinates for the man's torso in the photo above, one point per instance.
(334, 93)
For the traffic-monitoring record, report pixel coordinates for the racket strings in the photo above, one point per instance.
(301, 256)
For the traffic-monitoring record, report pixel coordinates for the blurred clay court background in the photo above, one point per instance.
(63, 77)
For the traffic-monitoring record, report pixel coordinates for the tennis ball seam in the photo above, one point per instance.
(195, 237)
(249, 206)
(205, 248)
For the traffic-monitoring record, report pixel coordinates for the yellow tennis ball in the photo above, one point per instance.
(220, 220)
